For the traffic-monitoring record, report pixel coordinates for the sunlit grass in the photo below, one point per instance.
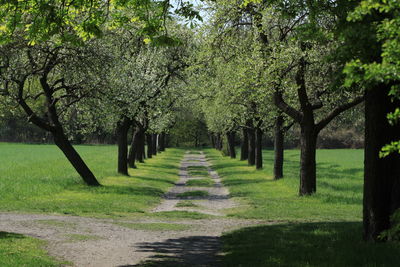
(19, 250)
(38, 178)
(339, 187)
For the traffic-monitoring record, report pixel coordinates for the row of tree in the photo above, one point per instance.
(272, 64)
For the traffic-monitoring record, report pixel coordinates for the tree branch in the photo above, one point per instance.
(337, 111)
(289, 110)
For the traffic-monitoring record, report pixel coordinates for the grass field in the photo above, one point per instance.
(38, 178)
(339, 187)
(320, 230)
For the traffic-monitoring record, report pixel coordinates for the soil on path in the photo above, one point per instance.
(87, 242)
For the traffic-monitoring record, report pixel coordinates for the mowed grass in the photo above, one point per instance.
(38, 178)
(324, 229)
(19, 250)
(339, 187)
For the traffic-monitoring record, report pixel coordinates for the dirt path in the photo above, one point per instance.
(87, 242)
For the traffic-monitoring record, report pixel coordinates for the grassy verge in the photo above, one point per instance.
(19, 250)
(38, 178)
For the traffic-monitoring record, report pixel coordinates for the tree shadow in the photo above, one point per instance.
(185, 251)
(7, 235)
(307, 244)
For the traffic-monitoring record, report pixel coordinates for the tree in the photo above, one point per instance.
(377, 69)
(45, 80)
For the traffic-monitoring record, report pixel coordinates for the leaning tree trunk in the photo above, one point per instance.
(381, 175)
(278, 148)
(74, 158)
(231, 144)
(244, 150)
(122, 140)
(252, 146)
(308, 146)
(258, 150)
(154, 144)
(149, 141)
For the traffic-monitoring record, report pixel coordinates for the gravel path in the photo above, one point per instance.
(87, 242)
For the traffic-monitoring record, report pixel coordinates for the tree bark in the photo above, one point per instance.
(231, 144)
(149, 141)
(133, 150)
(154, 144)
(278, 148)
(122, 139)
(161, 140)
(252, 147)
(258, 150)
(212, 139)
(244, 150)
(140, 154)
(74, 158)
(308, 147)
(381, 175)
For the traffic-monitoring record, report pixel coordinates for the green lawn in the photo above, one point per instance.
(38, 178)
(19, 250)
(339, 187)
(320, 230)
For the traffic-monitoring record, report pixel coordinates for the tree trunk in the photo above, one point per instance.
(308, 146)
(140, 154)
(231, 144)
(278, 148)
(154, 144)
(122, 140)
(212, 139)
(161, 140)
(218, 141)
(133, 150)
(244, 150)
(149, 141)
(252, 146)
(381, 175)
(258, 150)
(73, 157)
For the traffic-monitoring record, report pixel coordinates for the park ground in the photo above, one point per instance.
(45, 210)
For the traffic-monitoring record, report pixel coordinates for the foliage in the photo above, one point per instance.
(392, 234)
(386, 17)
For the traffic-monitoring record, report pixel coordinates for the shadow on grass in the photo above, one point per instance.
(7, 235)
(308, 244)
(185, 251)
